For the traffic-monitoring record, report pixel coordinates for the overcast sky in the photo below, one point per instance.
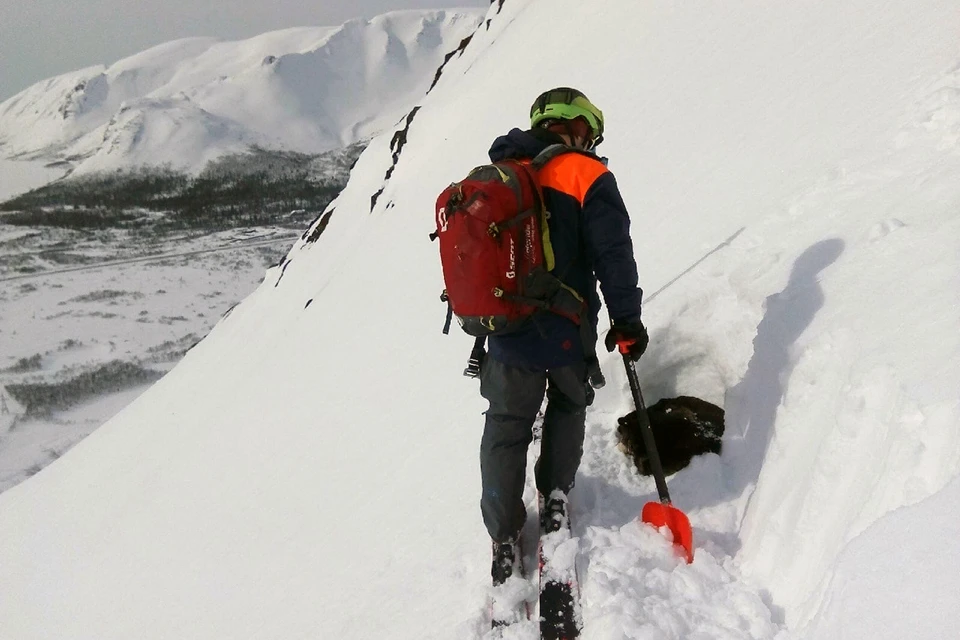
(44, 38)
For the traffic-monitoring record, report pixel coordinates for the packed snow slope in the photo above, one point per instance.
(310, 469)
(186, 102)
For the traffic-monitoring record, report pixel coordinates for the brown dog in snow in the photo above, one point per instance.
(683, 427)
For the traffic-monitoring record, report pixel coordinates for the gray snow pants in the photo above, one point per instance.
(515, 395)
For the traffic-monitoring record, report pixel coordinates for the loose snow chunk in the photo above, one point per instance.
(560, 556)
(635, 589)
(508, 598)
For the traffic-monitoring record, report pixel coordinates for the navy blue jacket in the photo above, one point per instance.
(590, 234)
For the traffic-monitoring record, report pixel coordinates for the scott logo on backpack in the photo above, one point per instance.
(492, 287)
(441, 219)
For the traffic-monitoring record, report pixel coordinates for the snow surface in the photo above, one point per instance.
(923, 604)
(186, 102)
(310, 469)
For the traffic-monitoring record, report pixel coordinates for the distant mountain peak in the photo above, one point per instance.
(188, 101)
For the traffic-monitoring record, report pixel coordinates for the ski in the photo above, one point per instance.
(560, 617)
(509, 597)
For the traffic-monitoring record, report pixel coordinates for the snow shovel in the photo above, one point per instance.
(663, 513)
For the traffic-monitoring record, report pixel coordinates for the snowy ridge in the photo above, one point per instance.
(189, 101)
(791, 176)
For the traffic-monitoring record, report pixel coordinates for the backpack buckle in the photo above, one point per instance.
(476, 360)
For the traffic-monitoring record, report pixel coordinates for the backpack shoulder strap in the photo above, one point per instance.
(554, 150)
(549, 154)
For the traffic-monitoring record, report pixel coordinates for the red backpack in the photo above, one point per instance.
(495, 249)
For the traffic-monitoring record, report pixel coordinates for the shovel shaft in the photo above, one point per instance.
(646, 431)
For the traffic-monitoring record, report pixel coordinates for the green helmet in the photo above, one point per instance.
(565, 103)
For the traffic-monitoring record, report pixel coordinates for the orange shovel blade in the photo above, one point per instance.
(660, 515)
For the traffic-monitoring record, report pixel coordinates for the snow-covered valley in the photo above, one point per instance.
(86, 334)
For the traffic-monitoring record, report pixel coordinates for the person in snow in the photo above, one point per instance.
(590, 233)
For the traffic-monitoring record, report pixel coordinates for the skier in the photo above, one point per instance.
(590, 235)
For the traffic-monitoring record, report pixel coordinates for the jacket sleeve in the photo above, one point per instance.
(609, 248)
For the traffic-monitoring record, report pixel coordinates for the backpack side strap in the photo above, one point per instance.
(475, 362)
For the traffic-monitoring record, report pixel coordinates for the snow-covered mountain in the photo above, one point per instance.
(310, 469)
(189, 101)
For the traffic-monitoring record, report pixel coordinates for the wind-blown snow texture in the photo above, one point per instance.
(190, 101)
(310, 470)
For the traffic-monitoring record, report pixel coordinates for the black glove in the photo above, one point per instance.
(631, 334)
